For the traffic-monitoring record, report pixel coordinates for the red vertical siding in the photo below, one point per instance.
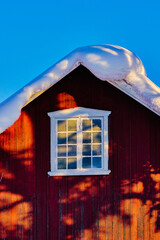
(17, 186)
(124, 205)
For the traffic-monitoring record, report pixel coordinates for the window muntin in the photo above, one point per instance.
(92, 129)
(66, 143)
(79, 142)
(89, 131)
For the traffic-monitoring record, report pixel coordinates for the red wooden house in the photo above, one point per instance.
(82, 158)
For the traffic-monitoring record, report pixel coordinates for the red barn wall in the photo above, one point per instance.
(123, 205)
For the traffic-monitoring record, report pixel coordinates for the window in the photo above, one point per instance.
(79, 142)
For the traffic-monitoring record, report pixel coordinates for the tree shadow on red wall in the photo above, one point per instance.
(122, 205)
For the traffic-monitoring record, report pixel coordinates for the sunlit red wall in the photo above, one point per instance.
(17, 180)
(121, 206)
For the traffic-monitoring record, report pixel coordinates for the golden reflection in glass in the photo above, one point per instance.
(61, 125)
(72, 125)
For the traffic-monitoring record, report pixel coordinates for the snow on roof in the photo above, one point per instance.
(114, 64)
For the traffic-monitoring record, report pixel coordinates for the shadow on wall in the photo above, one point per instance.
(96, 208)
(122, 205)
(16, 181)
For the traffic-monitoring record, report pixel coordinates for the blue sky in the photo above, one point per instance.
(36, 34)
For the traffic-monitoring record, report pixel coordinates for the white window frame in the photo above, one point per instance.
(78, 112)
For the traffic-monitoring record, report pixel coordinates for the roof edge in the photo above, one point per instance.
(116, 65)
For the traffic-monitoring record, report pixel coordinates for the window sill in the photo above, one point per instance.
(79, 172)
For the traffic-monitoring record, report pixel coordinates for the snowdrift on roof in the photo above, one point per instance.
(117, 65)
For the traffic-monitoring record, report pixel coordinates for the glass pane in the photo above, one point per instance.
(61, 125)
(61, 150)
(72, 163)
(86, 125)
(97, 162)
(61, 163)
(72, 150)
(72, 125)
(86, 137)
(86, 162)
(86, 151)
(96, 124)
(72, 138)
(96, 149)
(97, 137)
(61, 138)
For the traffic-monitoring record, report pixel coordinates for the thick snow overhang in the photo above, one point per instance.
(116, 65)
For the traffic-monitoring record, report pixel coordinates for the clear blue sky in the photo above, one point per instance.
(35, 34)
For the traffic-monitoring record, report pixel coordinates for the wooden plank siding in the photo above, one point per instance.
(124, 205)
